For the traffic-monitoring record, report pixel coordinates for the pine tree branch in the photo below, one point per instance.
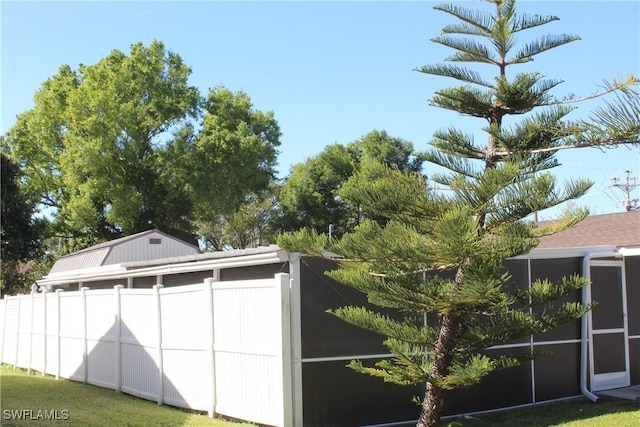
(466, 100)
(468, 50)
(624, 87)
(614, 124)
(477, 19)
(538, 130)
(605, 143)
(528, 51)
(525, 22)
(452, 162)
(464, 28)
(459, 73)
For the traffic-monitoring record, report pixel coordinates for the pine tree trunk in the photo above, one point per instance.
(431, 406)
(434, 397)
(443, 356)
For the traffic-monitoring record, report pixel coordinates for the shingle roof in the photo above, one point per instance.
(619, 229)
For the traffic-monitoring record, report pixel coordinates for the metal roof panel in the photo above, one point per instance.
(81, 260)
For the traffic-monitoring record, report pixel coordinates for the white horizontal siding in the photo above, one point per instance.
(141, 249)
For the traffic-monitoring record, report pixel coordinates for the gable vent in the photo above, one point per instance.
(155, 241)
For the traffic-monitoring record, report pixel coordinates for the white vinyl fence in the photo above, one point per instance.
(220, 347)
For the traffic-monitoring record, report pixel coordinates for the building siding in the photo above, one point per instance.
(141, 249)
(145, 246)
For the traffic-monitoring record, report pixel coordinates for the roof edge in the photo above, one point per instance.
(121, 240)
(574, 252)
(121, 271)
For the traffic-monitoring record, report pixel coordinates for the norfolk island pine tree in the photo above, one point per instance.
(472, 229)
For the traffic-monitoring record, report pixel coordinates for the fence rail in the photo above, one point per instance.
(220, 347)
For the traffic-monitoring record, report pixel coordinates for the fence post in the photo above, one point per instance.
(44, 331)
(283, 386)
(31, 333)
(5, 303)
(159, 361)
(85, 348)
(58, 334)
(210, 342)
(15, 358)
(117, 339)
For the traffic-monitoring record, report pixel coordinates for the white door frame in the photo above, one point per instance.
(610, 380)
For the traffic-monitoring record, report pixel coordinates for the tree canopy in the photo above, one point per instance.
(127, 144)
(20, 231)
(442, 254)
(253, 224)
(311, 195)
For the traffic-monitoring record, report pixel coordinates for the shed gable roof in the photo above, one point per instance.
(99, 255)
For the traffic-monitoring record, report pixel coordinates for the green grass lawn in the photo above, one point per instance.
(571, 413)
(86, 405)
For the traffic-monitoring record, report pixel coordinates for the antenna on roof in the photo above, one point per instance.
(627, 186)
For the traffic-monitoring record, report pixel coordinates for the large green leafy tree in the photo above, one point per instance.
(310, 196)
(230, 159)
(20, 233)
(472, 229)
(250, 226)
(127, 144)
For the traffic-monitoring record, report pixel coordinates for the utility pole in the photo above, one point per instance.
(627, 186)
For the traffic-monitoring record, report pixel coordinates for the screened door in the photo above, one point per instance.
(609, 343)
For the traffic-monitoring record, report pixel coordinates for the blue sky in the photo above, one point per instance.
(330, 71)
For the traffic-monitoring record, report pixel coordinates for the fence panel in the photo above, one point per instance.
(3, 322)
(9, 329)
(183, 348)
(137, 341)
(71, 336)
(51, 332)
(37, 344)
(24, 331)
(247, 333)
(220, 347)
(101, 338)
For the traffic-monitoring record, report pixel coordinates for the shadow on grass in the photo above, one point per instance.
(25, 398)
